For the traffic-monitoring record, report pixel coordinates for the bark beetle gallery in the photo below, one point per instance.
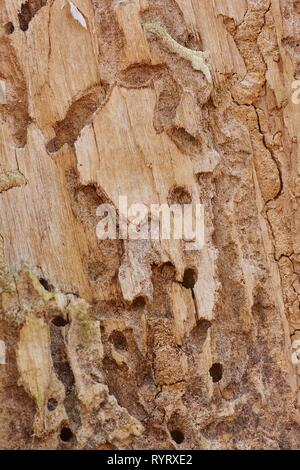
(140, 343)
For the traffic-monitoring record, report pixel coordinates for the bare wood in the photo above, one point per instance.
(129, 344)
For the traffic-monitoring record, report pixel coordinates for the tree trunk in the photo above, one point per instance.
(145, 344)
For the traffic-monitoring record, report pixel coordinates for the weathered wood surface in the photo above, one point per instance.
(107, 343)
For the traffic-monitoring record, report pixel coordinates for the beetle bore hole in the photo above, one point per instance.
(46, 285)
(189, 278)
(66, 434)
(177, 436)
(216, 372)
(119, 341)
(59, 321)
(139, 302)
(9, 28)
(52, 404)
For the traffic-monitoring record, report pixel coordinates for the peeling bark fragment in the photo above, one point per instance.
(37, 375)
(103, 418)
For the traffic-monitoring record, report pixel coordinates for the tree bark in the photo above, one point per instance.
(142, 344)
